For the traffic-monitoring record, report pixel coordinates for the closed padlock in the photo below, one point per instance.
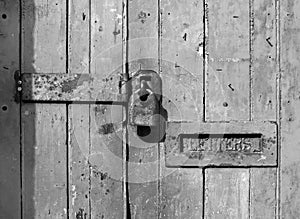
(145, 100)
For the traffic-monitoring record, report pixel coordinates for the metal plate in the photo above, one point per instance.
(221, 144)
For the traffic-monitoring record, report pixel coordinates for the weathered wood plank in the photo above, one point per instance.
(221, 144)
(182, 30)
(263, 193)
(44, 161)
(106, 129)
(182, 194)
(264, 72)
(79, 116)
(181, 66)
(227, 85)
(290, 105)
(143, 157)
(143, 35)
(10, 183)
(264, 101)
(227, 193)
(44, 128)
(43, 37)
(79, 36)
(106, 39)
(79, 168)
(70, 87)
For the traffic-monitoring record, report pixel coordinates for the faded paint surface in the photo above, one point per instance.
(218, 61)
(10, 182)
(290, 103)
(44, 133)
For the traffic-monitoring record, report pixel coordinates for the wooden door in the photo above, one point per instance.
(229, 71)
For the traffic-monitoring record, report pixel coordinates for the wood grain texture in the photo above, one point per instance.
(79, 168)
(227, 85)
(106, 192)
(43, 36)
(263, 181)
(143, 157)
(10, 183)
(290, 113)
(264, 69)
(106, 38)
(182, 34)
(143, 35)
(79, 36)
(227, 193)
(182, 194)
(79, 115)
(44, 161)
(263, 193)
(44, 126)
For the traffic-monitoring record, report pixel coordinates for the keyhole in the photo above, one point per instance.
(144, 97)
(143, 131)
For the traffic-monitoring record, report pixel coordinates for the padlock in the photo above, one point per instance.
(145, 100)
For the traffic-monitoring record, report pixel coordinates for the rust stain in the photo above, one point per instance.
(142, 16)
(106, 129)
(81, 214)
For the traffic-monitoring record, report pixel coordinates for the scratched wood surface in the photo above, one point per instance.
(182, 34)
(290, 104)
(181, 65)
(44, 161)
(263, 65)
(44, 125)
(234, 103)
(79, 116)
(228, 79)
(263, 181)
(79, 168)
(227, 193)
(241, 69)
(106, 187)
(106, 190)
(227, 98)
(143, 157)
(10, 188)
(79, 36)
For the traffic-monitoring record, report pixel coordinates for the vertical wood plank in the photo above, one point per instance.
(227, 193)
(264, 56)
(79, 29)
(182, 34)
(264, 101)
(263, 193)
(228, 60)
(143, 157)
(43, 36)
(79, 141)
(79, 170)
(106, 141)
(44, 157)
(106, 161)
(106, 37)
(44, 128)
(227, 99)
(10, 186)
(290, 113)
(182, 194)
(143, 35)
